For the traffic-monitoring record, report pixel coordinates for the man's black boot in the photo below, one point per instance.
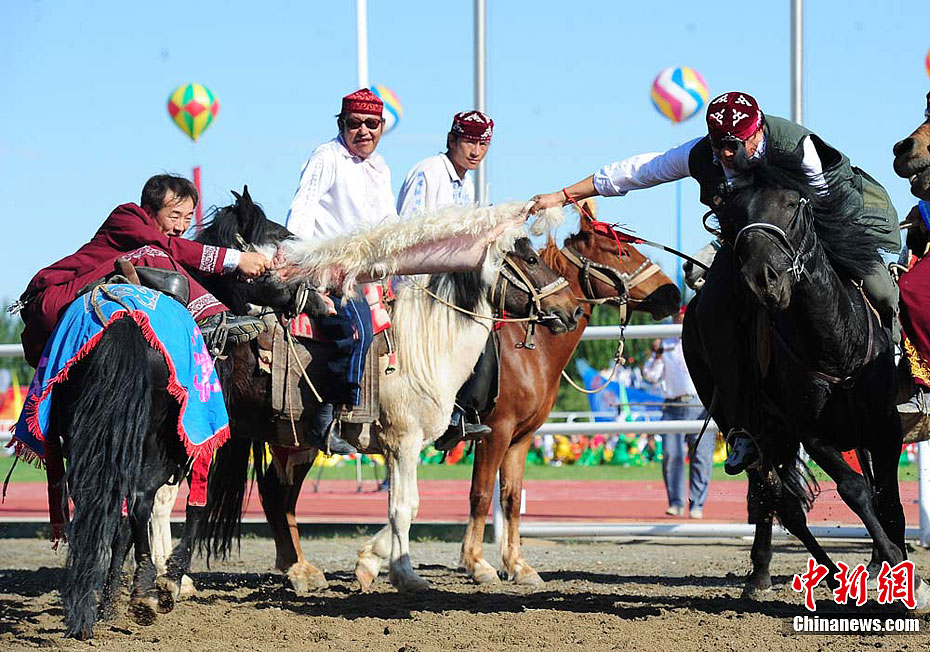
(460, 429)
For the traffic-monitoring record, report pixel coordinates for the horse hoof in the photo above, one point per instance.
(755, 593)
(84, 634)
(528, 577)
(485, 574)
(168, 594)
(188, 590)
(921, 599)
(305, 577)
(410, 584)
(366, 572)
(143, 611)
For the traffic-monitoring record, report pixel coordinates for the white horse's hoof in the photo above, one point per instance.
(527, 576)
(188, 590)
(410, 583)
(366, 571)
(305, 577)
(921, 599)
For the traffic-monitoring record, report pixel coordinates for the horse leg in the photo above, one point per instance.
(489, 453)
(143, 601)
(120, 548)
(513, 565)
(887, 500)
(175, 583)
(165, 498)
(855, 492)
(761, 507)
(371, 558)
(279, 501)
(403, 503)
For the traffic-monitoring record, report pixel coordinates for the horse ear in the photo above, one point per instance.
(245, 194)
(236, 195)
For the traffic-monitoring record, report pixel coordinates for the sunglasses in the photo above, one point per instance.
(731, 142)
(372, 123)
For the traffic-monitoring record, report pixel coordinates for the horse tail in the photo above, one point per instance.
(106, 439)
(225, 496)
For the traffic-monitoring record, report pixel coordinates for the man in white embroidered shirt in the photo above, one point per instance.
(345, 186)
(443, 180)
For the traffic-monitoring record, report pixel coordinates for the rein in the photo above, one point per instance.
(799, 255)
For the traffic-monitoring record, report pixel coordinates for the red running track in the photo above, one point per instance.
(446, 501)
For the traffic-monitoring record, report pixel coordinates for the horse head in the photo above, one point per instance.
(528, 286)
(912, 157)
(611, 269)
(244, 226)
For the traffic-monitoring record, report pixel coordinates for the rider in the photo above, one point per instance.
(148, 234)
(443, 180)
(345, 186)
(739, 135)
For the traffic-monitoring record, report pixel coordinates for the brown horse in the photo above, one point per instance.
(529, 383)
(912, 158)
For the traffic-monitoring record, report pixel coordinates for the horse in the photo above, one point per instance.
(116, 414)
(814, 365)
(440, 325)
(600, 271)
(912, 157)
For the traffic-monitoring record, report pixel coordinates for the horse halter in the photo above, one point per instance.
(800, 254)
(511, 274)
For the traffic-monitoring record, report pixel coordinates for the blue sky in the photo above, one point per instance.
(85, 86)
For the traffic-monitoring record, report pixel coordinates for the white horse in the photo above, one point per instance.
(437, 348)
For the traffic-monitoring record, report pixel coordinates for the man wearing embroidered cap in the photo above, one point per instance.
(345, 186)
(740, 135)
(443, 180)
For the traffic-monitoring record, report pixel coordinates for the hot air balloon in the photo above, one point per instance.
(193, 108)
(679, 93)
(927, 63)
(392, 106)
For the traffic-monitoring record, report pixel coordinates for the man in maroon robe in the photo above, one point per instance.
(149, 235)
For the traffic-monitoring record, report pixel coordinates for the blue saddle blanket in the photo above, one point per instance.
(203, 424)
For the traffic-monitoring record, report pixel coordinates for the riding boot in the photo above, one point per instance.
(461, 429)
(919, 402)
(743, 454)
(225, 327)
(324, 433)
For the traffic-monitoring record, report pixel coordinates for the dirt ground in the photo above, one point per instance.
(651, 595)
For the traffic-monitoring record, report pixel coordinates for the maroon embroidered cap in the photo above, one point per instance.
(362, 101)
(733, 115)
(473, 125)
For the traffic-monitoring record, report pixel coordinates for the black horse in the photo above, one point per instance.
(781, 342)
(117, 425)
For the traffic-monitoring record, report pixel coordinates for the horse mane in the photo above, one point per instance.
(245, 219)
(849, 245)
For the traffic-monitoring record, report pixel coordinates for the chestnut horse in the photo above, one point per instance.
(912, 157)
(529, 382)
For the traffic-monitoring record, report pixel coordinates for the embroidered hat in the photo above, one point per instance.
(733, 115)
(362, 101)
(473, 125)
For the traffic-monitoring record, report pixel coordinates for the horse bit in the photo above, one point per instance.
(511, 273)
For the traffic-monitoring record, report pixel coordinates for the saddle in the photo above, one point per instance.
(166, 281)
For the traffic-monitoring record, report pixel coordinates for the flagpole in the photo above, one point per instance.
(361, 31)
(481, 91)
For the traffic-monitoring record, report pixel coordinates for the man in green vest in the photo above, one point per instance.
(738, 134)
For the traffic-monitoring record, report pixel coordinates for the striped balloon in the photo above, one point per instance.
(679, 93)
(392, 106)
(193, 107)
(927, 63)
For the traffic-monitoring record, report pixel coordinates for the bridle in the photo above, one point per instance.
(799, 254)
(511, 274)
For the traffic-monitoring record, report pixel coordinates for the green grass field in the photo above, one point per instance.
(650, 472)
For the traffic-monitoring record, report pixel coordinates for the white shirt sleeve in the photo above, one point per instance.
(317, 177)
(653, 369)
(231, 260)
(813, 167)
(644, 170)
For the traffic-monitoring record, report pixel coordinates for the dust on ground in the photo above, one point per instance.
(631, 594)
